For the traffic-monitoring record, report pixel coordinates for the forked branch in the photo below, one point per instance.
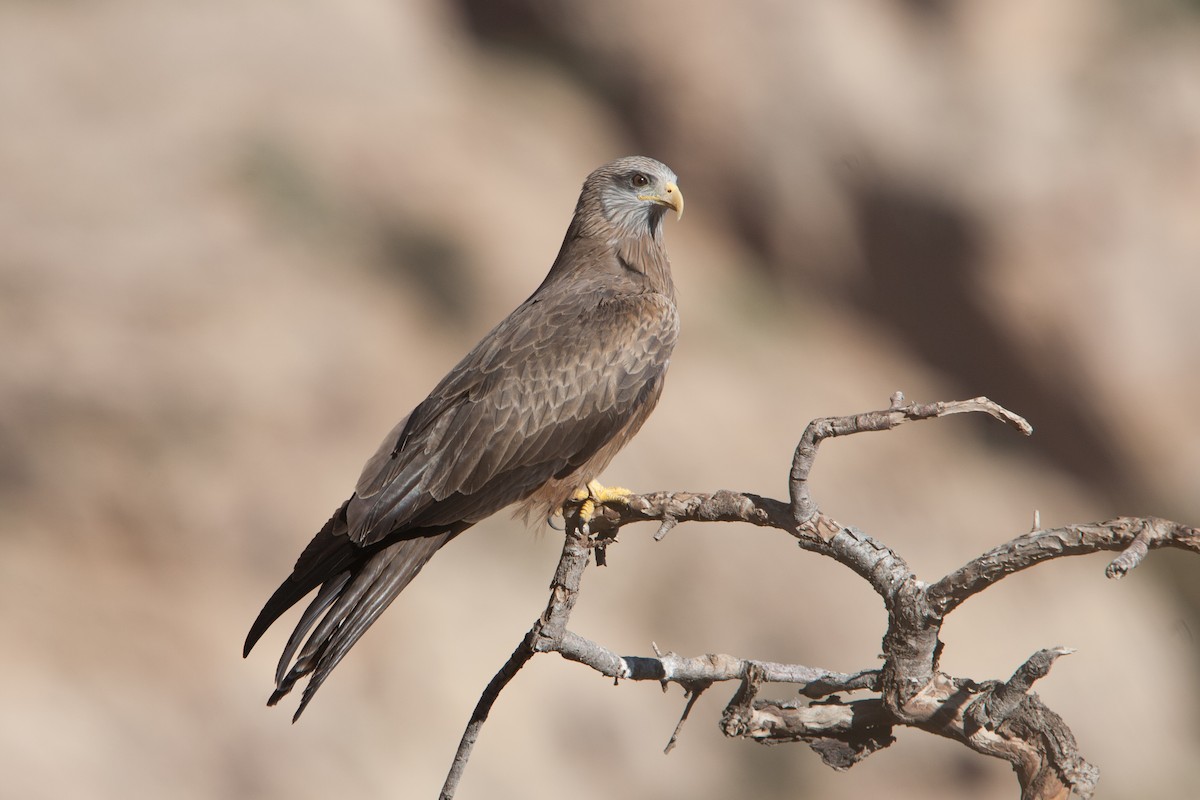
(997, 718)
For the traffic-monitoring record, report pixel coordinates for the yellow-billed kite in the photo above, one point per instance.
(531, 415)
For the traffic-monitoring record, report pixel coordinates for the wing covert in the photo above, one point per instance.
(535, 400)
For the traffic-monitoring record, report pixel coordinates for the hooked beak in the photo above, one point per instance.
(671, 197)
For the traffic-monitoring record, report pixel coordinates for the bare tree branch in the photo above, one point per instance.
(1132, 535)
(545, 635)
(693, 696)
(997, 718)
(479, 716)
(711, 668)
(897, 413)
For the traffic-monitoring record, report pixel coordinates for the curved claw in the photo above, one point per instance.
(590, 498)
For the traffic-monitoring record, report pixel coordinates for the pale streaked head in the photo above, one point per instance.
(633, 193)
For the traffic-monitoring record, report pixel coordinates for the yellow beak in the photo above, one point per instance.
(671, 197)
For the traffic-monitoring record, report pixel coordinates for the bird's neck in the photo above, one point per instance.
(638, 260)
(647, 257)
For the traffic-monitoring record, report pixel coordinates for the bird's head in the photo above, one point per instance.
(630, 195)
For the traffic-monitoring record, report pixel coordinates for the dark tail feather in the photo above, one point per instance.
(324, 599)
(329, 553)
(350, 601)
(356, 585)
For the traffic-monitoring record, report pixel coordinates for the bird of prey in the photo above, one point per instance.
(531, 415)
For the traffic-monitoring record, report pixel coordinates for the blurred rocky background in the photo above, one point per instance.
(239, 240)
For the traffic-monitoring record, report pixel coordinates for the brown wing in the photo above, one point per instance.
(557, 387)
(535, 401)
(536, 409)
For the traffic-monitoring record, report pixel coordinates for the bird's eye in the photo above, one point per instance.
(639, 180)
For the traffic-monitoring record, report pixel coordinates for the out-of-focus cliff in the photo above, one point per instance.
(240, 240)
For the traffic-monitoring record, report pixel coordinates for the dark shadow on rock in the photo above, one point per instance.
(922, 255)
(553, 32)
(922, 259)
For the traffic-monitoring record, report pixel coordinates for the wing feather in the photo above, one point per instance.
(573, 378)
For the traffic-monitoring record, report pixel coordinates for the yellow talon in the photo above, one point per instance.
(608, 494)
(594, 495)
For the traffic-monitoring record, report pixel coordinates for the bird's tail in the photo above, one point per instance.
(356, 585)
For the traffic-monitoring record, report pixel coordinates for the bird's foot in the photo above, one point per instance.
(587, 500)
